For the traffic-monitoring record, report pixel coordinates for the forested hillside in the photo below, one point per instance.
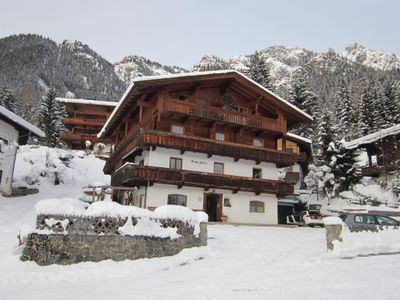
(356, 91)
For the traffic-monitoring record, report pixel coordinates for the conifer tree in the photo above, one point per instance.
(366, 120)
(378, 113)
(325, 135)
(8, 99)
(342, 163)
(259, 71)
(392, 102)
(343, 110)
(50, 118)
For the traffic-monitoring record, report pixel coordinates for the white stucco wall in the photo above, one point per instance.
(157, 195)
(7, 157)
(239, 212)
(199, 162)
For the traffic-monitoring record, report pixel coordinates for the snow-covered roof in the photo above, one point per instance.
(186, 75)
(13, 118)
(373, 137)
(298, 137)
(86, 101)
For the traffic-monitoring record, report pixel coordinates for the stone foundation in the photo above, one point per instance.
(77, 239)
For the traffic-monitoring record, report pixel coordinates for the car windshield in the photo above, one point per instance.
(382, 220)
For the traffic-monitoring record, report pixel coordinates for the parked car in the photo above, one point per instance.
(367, 220)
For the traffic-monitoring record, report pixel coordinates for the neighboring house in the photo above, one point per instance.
(289, 205)
(296, 144)
(383, 151)
(203, 140)
(14, 131)
(84, 120)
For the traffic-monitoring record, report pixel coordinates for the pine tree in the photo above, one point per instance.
(50, 118)
(8, 100)
(392, 102)
(325, 136)
(366, 120)
(259, 71)
(343, 110)
(342, 163)
(379, 114)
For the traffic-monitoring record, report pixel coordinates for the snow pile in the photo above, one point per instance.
(332, 221)
(114, 209)
(384, 241)
(63, 206)
(148, 221)
(38, 165)
(148, 227)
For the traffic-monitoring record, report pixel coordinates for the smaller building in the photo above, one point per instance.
(383, 151)
(84, 120)
(14, 131)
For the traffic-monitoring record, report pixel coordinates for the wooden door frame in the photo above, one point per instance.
(219, 205)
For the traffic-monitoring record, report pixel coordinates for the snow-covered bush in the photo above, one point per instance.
(36, 165)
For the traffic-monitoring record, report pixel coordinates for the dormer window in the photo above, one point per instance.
(177, 129)
(219, 136)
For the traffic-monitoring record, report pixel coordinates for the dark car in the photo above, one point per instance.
(367, 221)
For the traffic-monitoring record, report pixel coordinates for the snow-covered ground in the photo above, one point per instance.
(240, 262)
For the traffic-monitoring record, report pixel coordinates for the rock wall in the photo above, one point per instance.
(70, 239)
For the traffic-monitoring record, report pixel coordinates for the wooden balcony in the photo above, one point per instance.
(144, 138)
(76, 121)
(135, 175)
(218, 114)
(76, 137)
(376, 171)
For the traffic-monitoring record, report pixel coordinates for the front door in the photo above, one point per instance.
(213, 206)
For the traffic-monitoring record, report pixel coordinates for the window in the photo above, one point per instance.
(242, 109)
(258, 142)
(182, 97)
(177, 129)
(177, 199)
(257, 206)
(366, 219)
(382, 220)
(219, 168)
(1, 175)
(202, 101)
(257, 173)
(175, 163)
(3, 142)
(219, 136)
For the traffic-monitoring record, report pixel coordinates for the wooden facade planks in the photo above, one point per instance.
(135, 175)
(145, 138)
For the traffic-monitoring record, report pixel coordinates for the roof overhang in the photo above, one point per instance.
(23, 126)
(160, 81)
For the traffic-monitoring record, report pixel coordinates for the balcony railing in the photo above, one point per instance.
(222, 115)
(135, 175)
(82, 138)
(375, 171)
(148, 137)
(76, 121)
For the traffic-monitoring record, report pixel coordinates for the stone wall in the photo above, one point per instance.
(69, 239)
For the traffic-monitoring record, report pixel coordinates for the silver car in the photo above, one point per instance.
(367, 221)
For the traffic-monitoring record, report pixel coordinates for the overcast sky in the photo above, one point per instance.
(180, 32)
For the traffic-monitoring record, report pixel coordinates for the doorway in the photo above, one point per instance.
(213, 206)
